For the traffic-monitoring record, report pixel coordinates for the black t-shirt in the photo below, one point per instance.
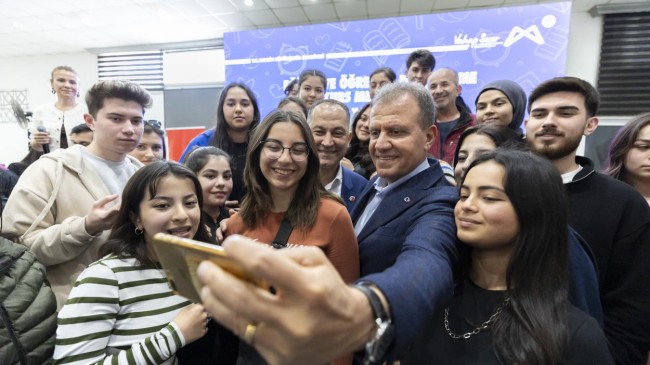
(473, 305)
(238, 154)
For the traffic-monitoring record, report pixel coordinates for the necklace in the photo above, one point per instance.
(485, 325)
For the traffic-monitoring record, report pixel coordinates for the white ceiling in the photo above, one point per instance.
(33, 27)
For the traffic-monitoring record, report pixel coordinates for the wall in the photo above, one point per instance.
(584, 46)
(33, 73)
(584, 54)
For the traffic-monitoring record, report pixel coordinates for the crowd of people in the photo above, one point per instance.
(419, 230)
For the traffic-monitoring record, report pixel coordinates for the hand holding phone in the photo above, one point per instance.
(180, 258)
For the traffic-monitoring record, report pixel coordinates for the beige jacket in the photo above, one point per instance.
(46, 212)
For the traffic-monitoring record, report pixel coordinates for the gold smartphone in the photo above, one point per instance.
(180, 258)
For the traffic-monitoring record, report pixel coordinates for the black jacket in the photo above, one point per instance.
(614, 219)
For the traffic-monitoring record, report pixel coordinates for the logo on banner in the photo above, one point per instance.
(518, 33)
(532, 32)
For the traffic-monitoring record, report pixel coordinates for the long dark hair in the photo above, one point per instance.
(499, 134)
(153, 126)
(532, 329)
(358, 152)
(257, 203)
(296, 100)
(390, 74)
(304, 75)
(200, 156)
(122, 241)
(221, 138)
(621, 145)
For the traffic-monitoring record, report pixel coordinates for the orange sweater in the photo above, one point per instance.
(332, 232)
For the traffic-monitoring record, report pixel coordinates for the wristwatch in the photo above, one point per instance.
(376, 348)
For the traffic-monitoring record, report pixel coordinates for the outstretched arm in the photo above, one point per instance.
(314, 317)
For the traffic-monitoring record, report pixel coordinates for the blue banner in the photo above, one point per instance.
(526, 44)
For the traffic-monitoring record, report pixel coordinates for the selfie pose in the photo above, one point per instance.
(511, 302)
(121, 310)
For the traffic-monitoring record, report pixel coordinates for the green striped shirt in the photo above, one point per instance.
(119, 312)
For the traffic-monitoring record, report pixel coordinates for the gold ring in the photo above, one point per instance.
(249, 334)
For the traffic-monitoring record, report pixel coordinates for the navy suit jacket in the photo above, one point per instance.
(351, 188)
(407, 248)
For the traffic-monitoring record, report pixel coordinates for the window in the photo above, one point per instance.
(144, 68)
(624, 64)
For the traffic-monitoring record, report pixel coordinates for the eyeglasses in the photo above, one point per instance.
(274, 149)
(153, 123)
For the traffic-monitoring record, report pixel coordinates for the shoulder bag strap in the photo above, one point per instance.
(281, 238)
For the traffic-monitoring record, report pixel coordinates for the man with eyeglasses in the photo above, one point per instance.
(64, 204)
(329, 121)
(404, 222)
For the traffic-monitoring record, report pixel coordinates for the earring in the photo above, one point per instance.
(138, 231)
(53, 91)
(78, 94)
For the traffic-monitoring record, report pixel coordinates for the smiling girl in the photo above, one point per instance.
(121, 309)
(237, 115)
(282, 177)
(60, 117)
(358, 152)
(511, 302)
(213, 168)
(312, 86)
(501, 102)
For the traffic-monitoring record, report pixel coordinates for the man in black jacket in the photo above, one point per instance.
(611, 216)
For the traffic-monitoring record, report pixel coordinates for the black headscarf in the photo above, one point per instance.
(515, 94)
